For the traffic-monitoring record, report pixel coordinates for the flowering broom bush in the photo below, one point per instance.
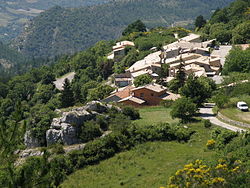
(198, 174)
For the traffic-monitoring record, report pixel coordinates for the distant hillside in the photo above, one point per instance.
(13, 62)
(230, 24)
(60, 30)
(9, 59)
(14, 14)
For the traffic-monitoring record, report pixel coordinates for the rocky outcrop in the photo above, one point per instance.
(65, 128)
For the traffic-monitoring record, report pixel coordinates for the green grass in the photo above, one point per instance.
(154, 115)
(236, 114)
(147, 165)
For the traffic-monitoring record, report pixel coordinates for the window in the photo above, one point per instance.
(152, 94)
(142, 95)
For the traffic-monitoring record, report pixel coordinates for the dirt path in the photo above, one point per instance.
(207, 113)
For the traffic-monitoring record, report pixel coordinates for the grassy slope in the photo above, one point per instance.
(232, 112)
(147, 165)
(236, 114)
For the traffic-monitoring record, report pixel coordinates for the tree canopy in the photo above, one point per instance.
(142, 80)
(137, 26)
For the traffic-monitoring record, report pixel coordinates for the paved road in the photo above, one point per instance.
(59, 81)
(222, 53)
(207, 113)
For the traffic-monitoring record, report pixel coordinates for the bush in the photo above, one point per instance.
(223, 137)
(207, 123)
(57, 149)
(89, 131)
(102, 122)
(211, 144)
(221, 174)
(132, 113)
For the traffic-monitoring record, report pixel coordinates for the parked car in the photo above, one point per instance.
(217, 47)
(242, 106)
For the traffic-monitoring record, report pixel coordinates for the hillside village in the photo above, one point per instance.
(189, 52)
(162, 107)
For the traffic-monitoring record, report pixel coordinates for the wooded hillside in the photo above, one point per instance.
(59, 30)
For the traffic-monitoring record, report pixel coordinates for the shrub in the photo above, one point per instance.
(102, 122)
(132, 113)
(211, 144)
(223, 137)
(198, 174)
(57, 149)
(207, 123)
(89, 131)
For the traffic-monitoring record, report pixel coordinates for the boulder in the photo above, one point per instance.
(76, 118)
(96, 106)
(53, 136)
(69, 135)
(56, 123)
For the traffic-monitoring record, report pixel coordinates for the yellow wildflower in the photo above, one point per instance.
(189, 165)
(218, 180)
(178, 172)
(188, 184)
(236, 169)
(198, 176)
(221, 166)
(198, 161)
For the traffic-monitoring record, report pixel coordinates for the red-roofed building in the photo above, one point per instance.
(151, 94)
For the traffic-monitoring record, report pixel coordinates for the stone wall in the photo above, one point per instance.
(232, 122)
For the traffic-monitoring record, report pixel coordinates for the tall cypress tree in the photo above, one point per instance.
(67, 95)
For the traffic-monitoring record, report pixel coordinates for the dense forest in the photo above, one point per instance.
(230, 24)
(59, 30)
(13, 62)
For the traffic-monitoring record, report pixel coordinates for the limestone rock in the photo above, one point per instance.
(69, 135)
(96, 106)
(65, 128)
(53, 136)
(30, 141)
(76, 117)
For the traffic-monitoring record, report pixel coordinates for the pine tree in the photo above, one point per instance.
(67, 95)
(200, 21)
